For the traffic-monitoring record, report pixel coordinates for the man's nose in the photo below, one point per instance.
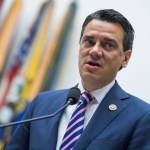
(95, 51)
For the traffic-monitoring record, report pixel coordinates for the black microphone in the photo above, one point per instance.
(72, 99)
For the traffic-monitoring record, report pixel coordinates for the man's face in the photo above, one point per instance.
(101, 54)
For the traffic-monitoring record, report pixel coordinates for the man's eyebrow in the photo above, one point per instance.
(88, 37)
(110, 40)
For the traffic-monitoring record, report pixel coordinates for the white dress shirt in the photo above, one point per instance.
(91, 108)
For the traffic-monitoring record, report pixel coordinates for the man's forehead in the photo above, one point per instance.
(103, 25)
(103, 29)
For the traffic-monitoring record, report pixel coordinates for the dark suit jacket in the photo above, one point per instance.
(126, 128)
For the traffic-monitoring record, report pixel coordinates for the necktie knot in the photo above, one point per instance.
(86, 98)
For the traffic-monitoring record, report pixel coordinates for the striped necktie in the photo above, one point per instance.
(76, 124)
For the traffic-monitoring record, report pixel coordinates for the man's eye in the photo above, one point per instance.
(89, 42)
(109, 45)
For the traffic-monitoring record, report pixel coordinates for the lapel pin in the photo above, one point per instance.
(112, 107)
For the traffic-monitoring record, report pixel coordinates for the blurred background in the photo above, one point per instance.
(39, 44)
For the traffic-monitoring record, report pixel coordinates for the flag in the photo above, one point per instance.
(7, 31)
(38, 48)
(53, 52)
(20, 58)
(59, 50)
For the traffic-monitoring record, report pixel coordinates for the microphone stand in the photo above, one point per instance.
(38, 118)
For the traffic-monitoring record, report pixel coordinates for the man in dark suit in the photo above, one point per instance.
(115, 119)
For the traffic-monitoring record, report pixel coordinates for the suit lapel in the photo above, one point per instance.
(103, 116)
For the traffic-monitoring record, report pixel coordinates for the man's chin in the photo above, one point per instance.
(90, 77)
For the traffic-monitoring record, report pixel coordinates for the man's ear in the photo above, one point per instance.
(127, 55)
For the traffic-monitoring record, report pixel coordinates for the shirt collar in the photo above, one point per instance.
(99, 94)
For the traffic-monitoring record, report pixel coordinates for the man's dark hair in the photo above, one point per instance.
(110, 15)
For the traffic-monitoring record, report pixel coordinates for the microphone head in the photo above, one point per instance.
(74, 95)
